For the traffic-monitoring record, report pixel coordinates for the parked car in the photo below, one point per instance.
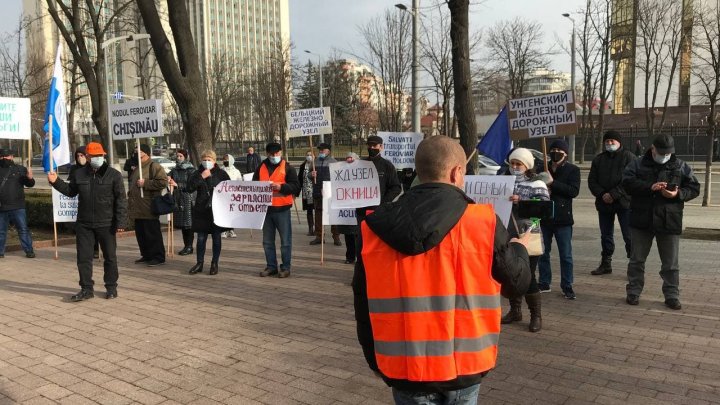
(166, 163)
(487, 166)
(37, 162)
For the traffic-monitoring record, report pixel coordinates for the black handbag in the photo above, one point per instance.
(163, 204)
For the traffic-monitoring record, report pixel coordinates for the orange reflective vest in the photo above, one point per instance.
(435, 316)
(278, 176)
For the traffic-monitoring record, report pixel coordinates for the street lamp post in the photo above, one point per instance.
(571, 143)
(414, 79)
(320, 87)
(128, 38)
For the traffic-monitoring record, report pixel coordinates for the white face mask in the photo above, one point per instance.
(662, 159)
(208, 164)
(612, 147)
(517, 172)
(97, 161)
(309, 158)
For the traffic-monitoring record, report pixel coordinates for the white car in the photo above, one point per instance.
(166, 163)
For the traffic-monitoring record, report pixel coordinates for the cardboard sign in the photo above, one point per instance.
(494, 190)
(399, 148)
(354, 185)
(540, 116)
(309, 121)
(65, 208)
(331, 216)
(241, 204)
(15, 118)
(137, 119)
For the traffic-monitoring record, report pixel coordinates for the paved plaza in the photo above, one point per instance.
(236, 338)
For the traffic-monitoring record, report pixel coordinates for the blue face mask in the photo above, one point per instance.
(321, 156)
(275, 159)
(208, 164)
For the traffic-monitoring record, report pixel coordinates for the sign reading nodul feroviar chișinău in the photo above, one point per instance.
(14, 118)
(540, 116)
(308, 122)
(136, 119)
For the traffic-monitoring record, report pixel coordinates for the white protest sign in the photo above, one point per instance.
(331, 216)
(354, 185)
(399, 148)
(540, 116)
(241, 204)
(14, 118)
(309, 121)
(64, 208)
(494, 190)
(248, 176)
(137, 119)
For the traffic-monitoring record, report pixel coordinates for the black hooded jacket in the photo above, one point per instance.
(415, 224)
(15, 179)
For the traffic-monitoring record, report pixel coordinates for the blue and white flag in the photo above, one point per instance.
(57, 108)
(496, 143)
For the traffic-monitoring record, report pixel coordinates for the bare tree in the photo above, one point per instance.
(24, 75)
(462, 75)
(436, 59)
(271, 92)
(706, 71)
(660, 33)
(387, 43)
(84, 25)
(181, 69)
(514, 48)
(225, 86)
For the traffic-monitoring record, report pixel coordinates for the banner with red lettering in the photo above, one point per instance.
(354, 185)
(241, 204)
(345, 216)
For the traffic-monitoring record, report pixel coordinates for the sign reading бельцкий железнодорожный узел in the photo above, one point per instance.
(540, 116)
(309, 121)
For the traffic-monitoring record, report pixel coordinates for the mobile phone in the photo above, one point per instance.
(671, 187)
(536, 209)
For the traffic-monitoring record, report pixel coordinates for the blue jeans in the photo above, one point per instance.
(20, 220)
(607, 230)
(216, 245)
(563, 238)
(280, 221)
(465, 396)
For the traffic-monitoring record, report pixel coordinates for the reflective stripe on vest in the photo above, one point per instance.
(278, 176)
(435, 316)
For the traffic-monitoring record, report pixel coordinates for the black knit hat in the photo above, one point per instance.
(664, 144)
(145, 148)
(615, 135)
(273, 147)
(374, 140)
(5, 152)
(560, 144)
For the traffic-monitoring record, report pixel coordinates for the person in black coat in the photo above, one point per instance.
(184, 200)
(564, 187)
(102, 212)
(252, 161)
(306, 190)
(13, 180)
(130, 165)
(203, 181)
(611, 200)
(80, 162)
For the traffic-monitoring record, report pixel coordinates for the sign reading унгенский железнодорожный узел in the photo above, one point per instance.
(540, 116)
(136, 119)
(309, 121)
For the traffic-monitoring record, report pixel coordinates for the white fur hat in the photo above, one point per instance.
(523, 155)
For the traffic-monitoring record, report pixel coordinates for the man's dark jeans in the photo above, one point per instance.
(277, 221)
(19, 218)
(563, 238)
(607, 230)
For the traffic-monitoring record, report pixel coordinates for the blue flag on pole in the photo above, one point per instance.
(57, 108)
(496, 143)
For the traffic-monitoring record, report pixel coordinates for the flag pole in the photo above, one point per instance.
(544, 145)
(171, 241)
(471, 156)
(50, 155)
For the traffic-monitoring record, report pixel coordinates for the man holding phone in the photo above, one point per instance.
(659, 184)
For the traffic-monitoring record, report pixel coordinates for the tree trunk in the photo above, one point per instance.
(464, 109)
(183, 77)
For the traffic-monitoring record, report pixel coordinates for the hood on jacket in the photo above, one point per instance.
(421, 218)
(231, 160)
(80, 149)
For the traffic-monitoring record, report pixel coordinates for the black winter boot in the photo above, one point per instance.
(213, 268)
(197, 268)
(515, 312)
(604, 268)
(533, 303)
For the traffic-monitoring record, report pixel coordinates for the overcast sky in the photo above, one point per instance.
(322, 26)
